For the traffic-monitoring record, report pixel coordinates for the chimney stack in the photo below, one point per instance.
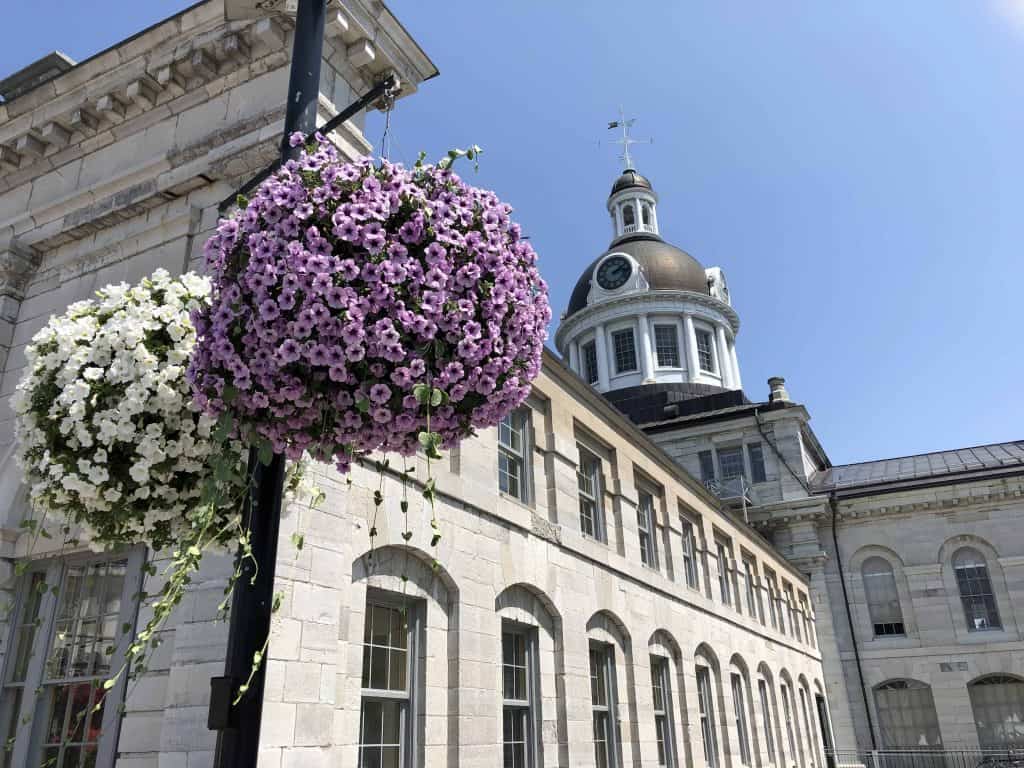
(777, 393)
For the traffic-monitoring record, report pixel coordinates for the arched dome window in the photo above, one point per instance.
(882, 597)
(628, 217)
(997, 702)
(976, 594)
(645, 215)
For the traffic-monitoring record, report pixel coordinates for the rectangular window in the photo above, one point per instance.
(773, 594)
(662, 695)
(624, 347)
(794, 621)
(766, 721)
(707, 465)
(706, 703)
(740, 712)
(756, 455)
(588, 478)
(723, 550)
(604, 706)
(690, 554)
(705, 350)
(730, 460)
(645, 528)
(787, 717)
(589, 354)
(520, 702)
(749, 574)
(666, 345)
(385, 715)
(68, 638)
(805, 610)
(513, 451)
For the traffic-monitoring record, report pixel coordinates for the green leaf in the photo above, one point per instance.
(378, 498)
(363, 405)
(404, 506)
(229, 395)
(298, 540)
(266, 453)
(422, 393)
(435, 539)
(407, 535)
(436, 397)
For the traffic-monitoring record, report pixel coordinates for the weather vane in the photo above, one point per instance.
(625, 124)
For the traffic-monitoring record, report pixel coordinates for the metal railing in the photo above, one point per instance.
(628, 228)
(926, 758)
(734, 490)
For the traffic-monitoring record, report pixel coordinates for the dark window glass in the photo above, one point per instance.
(625, 351)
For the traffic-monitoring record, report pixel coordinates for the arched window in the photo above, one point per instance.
(628, 215)
(645, 214)
(975, 587)
(882, 597)
(998, 705)
(906, 714)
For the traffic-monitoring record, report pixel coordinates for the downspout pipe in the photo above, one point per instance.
(834, 506)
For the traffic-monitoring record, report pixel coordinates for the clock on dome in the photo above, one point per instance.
(613, 272)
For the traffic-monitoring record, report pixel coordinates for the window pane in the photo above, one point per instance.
(625, 351)
(707, 465)
(689, 555)
(998, 705)
(976, 592)
(666, 344)
(739, 707)
(906, 714)
(385, 654)
(705, 351)
(766, 719)
(756, 455)
(589, 352)
(731, 462)
(882, 596)
(707, 717)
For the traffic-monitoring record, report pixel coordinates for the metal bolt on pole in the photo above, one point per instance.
(238, 725)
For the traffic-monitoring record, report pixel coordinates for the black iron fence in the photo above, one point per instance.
(926, 758)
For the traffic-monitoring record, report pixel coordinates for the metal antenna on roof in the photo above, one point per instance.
(625, 124)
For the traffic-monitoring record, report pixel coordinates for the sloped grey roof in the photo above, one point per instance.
(921, 466)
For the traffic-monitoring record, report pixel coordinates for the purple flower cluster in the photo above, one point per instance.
(343, 285)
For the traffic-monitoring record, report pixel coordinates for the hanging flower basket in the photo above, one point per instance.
(108, 435)
(362, 306)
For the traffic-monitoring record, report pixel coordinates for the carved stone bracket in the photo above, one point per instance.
(18, 262)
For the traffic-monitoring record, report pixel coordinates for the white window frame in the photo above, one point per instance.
(808, 728)
(592, 495)
(664, 726)
(615, 335)
(30, 720)
(673, 329)
(691, 550)
(794, 625)
(526, 710)
(979, 579)
(602, 672)
(750, 576)
(763, 692)
(517, 422)
(646, 526)
(710, 351)
(791, 725)
(408, 698)
(706, 713)
(723, 550)
(886, 616)
(774, 609)
(740, 717)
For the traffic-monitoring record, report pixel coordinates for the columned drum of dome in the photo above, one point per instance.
(647, 313)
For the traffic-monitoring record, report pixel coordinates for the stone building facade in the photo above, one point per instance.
(915, 563)
(594, 605)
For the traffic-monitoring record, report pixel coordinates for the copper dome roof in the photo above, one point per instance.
(630, 178)
(665, 267)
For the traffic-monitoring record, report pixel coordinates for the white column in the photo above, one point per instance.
(691, 347)
(574, 357)
(618, 219)
(724, 363)
(646, 349)
(636, 212)
(601, 347)
(736, 380)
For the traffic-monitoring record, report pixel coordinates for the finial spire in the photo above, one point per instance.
(625, 124)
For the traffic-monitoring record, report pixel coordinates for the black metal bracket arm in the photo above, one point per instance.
(222, 693)
(382, 90)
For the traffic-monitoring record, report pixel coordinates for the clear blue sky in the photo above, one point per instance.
(856, 168)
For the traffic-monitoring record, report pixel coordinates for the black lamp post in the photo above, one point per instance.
(238, 726)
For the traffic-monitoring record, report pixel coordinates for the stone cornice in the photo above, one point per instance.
(612, 307)
(17, 265)
(1011, 489)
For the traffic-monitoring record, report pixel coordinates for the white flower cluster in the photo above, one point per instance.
(108, 435)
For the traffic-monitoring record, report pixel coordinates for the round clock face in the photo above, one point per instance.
(614, 272)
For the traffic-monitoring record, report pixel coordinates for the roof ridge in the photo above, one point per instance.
(1018, 443)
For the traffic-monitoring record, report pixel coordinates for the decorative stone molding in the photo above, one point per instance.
(17, 265)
